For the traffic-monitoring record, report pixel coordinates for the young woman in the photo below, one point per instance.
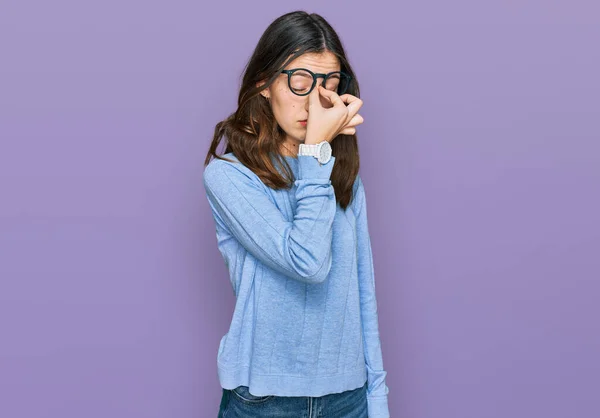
(291, 223)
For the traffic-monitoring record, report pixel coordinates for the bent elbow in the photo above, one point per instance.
(319, 273)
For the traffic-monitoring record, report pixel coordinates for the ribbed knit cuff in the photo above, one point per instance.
(310, 168)
(377, 407)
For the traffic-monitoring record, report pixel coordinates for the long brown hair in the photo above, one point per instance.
(253, 134)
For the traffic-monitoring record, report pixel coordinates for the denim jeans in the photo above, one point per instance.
(239, 403)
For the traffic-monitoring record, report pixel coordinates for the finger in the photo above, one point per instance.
(348, 131)
(313, 98)
(350, 127)
(354, 104)
(355, 120)
(353, 108)
(332, 96)
(348, 98)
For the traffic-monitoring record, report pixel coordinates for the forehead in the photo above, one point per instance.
(325, 62)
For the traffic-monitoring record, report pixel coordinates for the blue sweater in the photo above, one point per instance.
(305, 318)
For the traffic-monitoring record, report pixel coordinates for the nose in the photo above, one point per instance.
(320, 81)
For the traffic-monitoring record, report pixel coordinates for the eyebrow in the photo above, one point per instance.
(316, 72)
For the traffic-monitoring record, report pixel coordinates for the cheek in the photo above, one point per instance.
(286, 98)
(286, 110)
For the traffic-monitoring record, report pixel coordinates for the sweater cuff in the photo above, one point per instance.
(310, 168)
(377, 406)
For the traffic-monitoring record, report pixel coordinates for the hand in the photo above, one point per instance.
(324, 124)
(349, 128)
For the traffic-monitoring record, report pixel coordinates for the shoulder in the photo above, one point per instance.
(358, 194)
(217, 164)
(357, 184)
(219, 173)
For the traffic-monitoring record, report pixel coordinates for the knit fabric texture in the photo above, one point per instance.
(305, 320)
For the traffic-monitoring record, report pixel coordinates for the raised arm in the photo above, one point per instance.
(300, 249)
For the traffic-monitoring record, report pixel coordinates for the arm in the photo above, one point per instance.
(377, 389)
(300, 249)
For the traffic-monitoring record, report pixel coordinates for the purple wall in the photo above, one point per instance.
(480, 159)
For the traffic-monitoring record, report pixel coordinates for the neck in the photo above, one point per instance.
(290, 148)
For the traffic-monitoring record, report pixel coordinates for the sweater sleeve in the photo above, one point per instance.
(300, 249)
(377, 389)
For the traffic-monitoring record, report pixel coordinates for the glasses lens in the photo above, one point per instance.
(337, 82)
(301, 81)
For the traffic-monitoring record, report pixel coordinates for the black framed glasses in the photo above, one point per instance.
(302, 81)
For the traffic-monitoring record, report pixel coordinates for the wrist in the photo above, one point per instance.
(321, 151)
(310, 141)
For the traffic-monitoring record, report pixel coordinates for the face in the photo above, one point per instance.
(288, 108)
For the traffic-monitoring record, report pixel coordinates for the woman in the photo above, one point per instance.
(291, 223)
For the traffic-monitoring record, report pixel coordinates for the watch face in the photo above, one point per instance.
(325, 152)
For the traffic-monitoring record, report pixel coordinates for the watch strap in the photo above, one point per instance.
(309, 149)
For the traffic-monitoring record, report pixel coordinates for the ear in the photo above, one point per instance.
(266, 92)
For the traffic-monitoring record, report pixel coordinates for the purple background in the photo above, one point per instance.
(480, 159)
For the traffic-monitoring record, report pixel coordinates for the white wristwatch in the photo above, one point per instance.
(321, 151)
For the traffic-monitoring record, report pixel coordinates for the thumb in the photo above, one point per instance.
(313, 97)
(332, 96)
